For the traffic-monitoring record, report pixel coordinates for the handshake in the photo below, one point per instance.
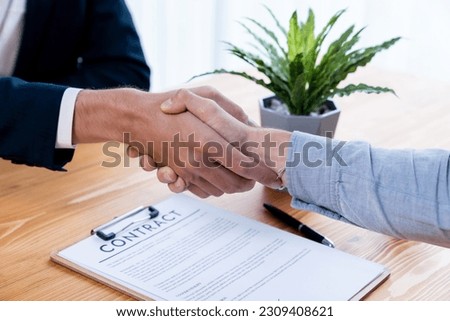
(197, 139)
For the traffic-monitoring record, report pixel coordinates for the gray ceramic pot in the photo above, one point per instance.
(322, 124)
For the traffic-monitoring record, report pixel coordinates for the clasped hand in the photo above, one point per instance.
(216, 149)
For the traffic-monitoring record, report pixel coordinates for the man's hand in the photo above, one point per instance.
(202, 160)
(165, 174)
(268, 146)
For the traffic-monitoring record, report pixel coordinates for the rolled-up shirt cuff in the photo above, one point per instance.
(65, 120)
(312, 176)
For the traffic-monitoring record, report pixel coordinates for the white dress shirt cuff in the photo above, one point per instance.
(65, 122)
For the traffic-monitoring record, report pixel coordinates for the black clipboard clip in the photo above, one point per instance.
(107, 236)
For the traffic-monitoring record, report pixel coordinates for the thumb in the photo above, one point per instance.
(224, 102)
(231, 129)
(211, 93)
(208, 111)
(168, 107)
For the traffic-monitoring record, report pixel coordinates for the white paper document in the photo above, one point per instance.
(195, 251)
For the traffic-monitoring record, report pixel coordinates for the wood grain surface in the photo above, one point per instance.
(43, 211)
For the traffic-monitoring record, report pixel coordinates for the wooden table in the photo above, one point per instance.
(42, 211)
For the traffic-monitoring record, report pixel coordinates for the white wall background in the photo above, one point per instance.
(182, 38)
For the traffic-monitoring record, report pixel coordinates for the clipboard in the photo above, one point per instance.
(186, 249)
(129, 218)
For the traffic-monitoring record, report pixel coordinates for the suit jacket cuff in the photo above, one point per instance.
(28, 122)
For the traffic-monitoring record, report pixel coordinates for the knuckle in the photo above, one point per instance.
(208, 91)
(240, 185)
(166, 175)
(242, 117)
(160, 177)
(173, 188)
(247, 185)
(148, 168)
(215, 191)
(147, 163)
(180, 184)
(187, 178)
(198, 192)
(229, 189)
(181, 93)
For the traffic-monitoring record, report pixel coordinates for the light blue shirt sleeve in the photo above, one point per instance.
(403, 193)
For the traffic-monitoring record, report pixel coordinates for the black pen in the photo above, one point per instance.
(307, 231)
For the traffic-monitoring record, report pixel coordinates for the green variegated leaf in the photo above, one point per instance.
(270, 34)
(298, 77)
(307, 32)
(294, 38)
(295, 68)
(352, 88)
(224, 71)
(279, 66)
(277, 61)
(277, 22)
(337, 47)
(299, 95)
(324, 33)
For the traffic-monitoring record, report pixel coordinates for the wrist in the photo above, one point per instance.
(283, 140)
(273, 150)
(105, 115)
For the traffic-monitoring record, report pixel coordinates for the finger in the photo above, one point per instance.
(205, 173)
(147, 163)
(252, 123)
(166, 175)
(211, 93)
(208, 112)
(224, 102)
(132, 151)
(169, 107)
(230, 131)
(198, 191)
(178, 186)
(203, 182)
(224, 180)
(237, 171)
(246, 169)
(200, 167)
(208, 187)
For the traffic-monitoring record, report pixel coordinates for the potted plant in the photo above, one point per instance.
(302, 78)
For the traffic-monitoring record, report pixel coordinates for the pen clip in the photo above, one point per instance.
(99, 231)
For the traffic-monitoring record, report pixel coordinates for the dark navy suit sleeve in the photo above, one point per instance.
(82, 43)
(28, 123)
(110, 50)
(76, 43)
